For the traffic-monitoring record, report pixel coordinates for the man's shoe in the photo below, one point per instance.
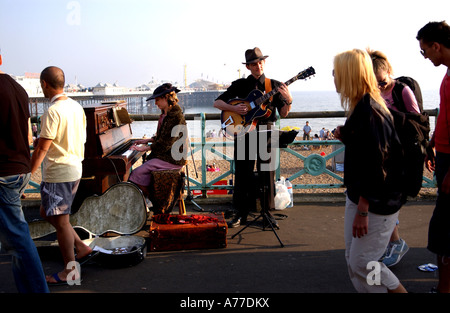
(236, 222)
(395, 252)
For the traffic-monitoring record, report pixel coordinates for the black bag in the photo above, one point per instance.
(401, 82)
(413, 131)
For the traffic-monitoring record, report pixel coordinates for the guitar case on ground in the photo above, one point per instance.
(120, 212)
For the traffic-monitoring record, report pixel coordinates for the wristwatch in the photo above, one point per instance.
(364, 214)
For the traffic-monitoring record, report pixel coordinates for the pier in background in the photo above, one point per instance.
(137, 103)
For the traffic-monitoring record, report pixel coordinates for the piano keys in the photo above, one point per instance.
(108, 159)
(129, 152)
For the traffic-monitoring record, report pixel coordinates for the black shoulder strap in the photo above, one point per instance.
(398, 97)
(415, 88)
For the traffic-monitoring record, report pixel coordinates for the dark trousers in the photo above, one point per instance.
(439, 228)
(253, 149)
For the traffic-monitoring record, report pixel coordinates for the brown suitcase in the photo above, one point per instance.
(170, 232)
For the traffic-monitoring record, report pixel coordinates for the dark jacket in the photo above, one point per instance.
(372, 165)
(164, 139)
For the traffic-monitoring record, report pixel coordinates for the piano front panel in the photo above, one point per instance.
(114, 138)
(106, 161)
(103, 122)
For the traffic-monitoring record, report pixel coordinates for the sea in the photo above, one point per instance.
(303, 101)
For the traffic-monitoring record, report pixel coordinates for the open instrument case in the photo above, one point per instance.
(110, 222)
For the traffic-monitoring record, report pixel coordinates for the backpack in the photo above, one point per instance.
(400, 83)
(413, 131)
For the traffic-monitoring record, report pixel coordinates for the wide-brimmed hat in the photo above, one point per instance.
(254, 55)
(163, 90)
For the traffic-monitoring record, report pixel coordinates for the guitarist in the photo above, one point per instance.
(245, 188)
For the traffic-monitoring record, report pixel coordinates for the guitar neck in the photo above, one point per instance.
(267, 96)
(302, 75)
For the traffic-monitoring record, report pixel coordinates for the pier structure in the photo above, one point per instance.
(137, 101)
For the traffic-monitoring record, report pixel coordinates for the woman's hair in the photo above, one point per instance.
(354, 77)
(380, 61)
(172, 98)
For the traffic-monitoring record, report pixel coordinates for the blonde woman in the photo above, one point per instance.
(372, 171)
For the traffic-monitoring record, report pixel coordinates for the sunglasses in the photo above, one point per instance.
(424, 51)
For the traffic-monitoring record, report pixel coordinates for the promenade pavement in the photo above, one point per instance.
(311, 261)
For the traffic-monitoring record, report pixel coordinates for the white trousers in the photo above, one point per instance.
(362, 254)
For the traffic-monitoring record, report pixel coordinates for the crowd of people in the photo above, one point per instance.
(372, 169)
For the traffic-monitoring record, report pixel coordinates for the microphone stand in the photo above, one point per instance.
(264, 214)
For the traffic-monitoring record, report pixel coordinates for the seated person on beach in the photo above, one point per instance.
(168, 151)
(316, 138)
(322, 133)
(212, 168)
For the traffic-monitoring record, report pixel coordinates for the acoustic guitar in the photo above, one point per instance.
(235, 124)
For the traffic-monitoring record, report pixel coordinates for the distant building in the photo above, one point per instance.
(31, 83)
(109, 90)
(73, 88)
(204, 85)
(145, 87)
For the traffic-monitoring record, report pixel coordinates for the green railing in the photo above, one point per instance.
(314, 164)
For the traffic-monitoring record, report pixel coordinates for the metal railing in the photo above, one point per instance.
(313, 164)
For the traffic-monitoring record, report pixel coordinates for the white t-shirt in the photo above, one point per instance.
(65, 124)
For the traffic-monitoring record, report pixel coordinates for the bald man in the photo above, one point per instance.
(61, 150)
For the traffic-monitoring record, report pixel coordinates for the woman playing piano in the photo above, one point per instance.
(168, 147)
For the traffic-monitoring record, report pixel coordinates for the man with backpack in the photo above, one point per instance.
(401, 95)
(434, 40)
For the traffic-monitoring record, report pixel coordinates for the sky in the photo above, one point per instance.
(132, 42)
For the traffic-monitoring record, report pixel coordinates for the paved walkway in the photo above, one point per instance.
(311, 261)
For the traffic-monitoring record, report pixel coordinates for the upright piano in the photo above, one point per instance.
(107, 157)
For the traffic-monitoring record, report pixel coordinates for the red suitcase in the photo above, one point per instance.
(186, 232)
